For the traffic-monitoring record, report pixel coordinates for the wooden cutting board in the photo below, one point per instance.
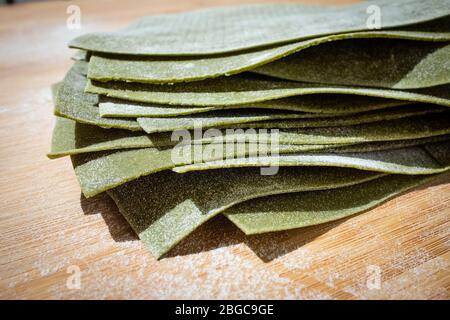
(50, 235)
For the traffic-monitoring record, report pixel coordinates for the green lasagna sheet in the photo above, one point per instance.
(214, 31)
(115, 108)
(73, 103)
(256, 119)
(319, 106)
(427, 159)
(250, 88)
(364, 56)
(384, 63)
(101, 171)
(220, 118)
(201, 195)
(295, 210)
(80, 55)
(323, 105)
(70, 137)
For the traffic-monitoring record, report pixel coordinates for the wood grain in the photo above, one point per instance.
(46, 226)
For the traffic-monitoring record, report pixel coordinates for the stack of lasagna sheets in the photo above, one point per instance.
(275, 116)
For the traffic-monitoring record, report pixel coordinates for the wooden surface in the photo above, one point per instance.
(46, 226)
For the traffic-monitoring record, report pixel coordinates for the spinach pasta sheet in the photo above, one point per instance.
(202, 195)
(257, 119)
(73, 103)
(328, 105)
(390, 58)
(229, 29)
(101, 171)
(250, 88)
(295, 210)
(70, 137)
(427, 159)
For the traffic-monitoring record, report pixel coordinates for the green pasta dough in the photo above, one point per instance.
(73, 103)
(70, 137)
(103, 171)
(413, 160)
(373, 63)
(328, 105)
(256, 119)
(295, 210)
(115, 108)
(231, 29)
(399, 129)
(107, 67)
(202, 195)
(219, 118)
(80, 55)
(249, 88)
